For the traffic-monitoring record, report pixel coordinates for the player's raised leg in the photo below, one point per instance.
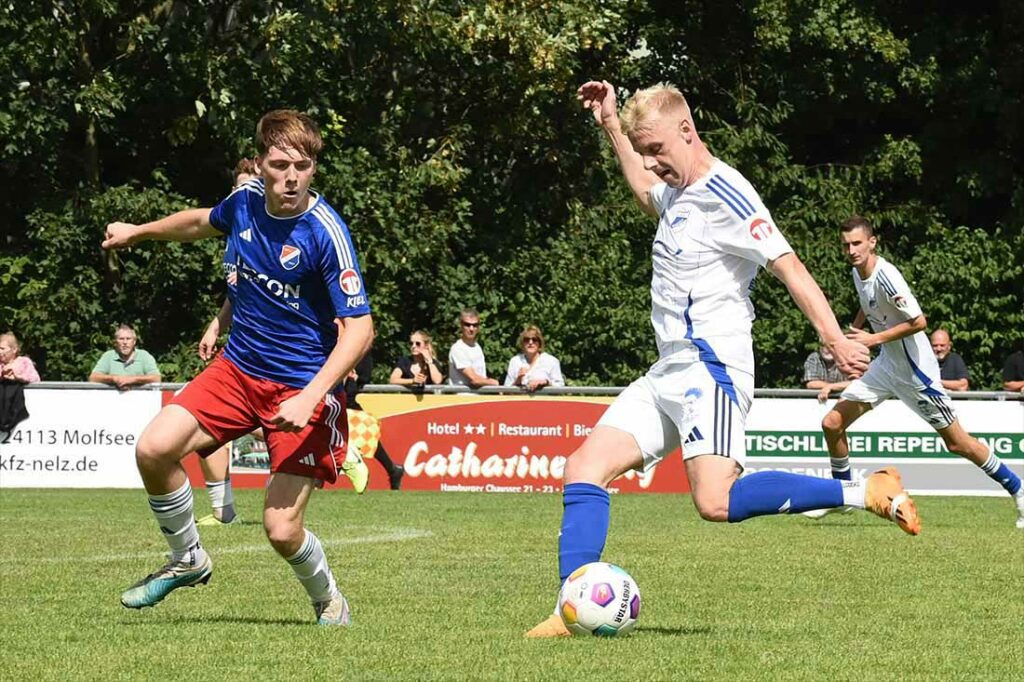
(283, 512)
(170, 436)
(960, 442)
(606, 454)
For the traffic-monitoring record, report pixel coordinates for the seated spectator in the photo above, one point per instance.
(420, 368)
(125, 366)
(466, 364)
(822, 373)
(533, 368)
(15, 367)
(952, 368)
(1013, 372)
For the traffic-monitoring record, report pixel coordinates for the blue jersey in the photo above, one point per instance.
(293, 277)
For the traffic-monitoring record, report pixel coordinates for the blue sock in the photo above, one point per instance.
(1001, 474)
(584, 526)
(776, 492)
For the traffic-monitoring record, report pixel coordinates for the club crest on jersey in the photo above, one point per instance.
(289, 256)
(350, 282)
(899, 301)
(760, 229)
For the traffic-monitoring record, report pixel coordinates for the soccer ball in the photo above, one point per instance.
(599, 599)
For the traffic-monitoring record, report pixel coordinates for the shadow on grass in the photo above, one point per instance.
(700, 630)
(233, 620)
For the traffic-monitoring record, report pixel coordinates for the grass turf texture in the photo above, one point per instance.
(444, 585)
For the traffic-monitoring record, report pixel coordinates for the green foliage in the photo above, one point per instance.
(458, 155)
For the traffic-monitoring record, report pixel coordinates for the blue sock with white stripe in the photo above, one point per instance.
(1001, 474)
(778, 492)
(840, 468)
(584, 526)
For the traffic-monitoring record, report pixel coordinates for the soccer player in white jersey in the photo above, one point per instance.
(905, 368)
(713, 234)
(301, 321)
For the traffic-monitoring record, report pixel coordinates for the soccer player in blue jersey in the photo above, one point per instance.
(906, 367)
(301, 322)
(713, 235)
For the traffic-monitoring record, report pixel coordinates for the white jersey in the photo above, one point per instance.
(887, 301)
(713, 235)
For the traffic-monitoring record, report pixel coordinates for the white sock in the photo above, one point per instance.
(173, 513)
(853, 493)
(222, 499)
(310, 566)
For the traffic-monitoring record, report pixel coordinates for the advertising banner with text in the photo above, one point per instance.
(77, 439)
(503, 444)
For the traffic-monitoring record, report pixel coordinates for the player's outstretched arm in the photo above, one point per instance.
(599, 98)
(355, 336)
(183, 226)
(851, 357)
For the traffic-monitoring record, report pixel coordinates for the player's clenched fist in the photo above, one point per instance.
(120, 235)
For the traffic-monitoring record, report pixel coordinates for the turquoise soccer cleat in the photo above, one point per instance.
(334, 611)
(152, 589)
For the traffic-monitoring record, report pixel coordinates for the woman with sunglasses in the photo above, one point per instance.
(533, 368)
(420, 367)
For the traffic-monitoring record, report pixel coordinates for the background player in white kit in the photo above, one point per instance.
(713, 236)
(905, 368)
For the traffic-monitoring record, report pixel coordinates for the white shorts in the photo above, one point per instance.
(930, 402)
(701, 406)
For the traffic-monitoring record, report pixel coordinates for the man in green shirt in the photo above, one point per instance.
(126, 366)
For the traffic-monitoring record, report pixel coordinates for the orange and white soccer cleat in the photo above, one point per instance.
(552, 626)
(885, 497)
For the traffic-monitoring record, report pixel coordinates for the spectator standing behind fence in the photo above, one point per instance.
(466, 365)
(420, 367)
(13, 366)
(532, 368)
(822, 372)
(126, 366)
(952, 368)
(1013, 372)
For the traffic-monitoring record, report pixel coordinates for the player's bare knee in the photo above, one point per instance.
(715, 510)
(832, 424)
(285, 534)
(581, 468)
(149, 452)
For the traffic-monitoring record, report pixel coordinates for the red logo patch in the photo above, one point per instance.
(760, 229)
(350, 282)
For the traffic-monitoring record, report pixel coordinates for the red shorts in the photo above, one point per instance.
(228, 403)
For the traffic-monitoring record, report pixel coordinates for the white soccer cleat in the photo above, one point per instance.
(819, 513)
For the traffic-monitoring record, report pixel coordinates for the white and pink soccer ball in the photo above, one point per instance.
(599, 599)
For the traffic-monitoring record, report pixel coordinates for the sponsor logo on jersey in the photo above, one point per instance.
(275, 287)
(760, 229)
(355, 301)
(350, 282)
(289, 256)
(309, 460)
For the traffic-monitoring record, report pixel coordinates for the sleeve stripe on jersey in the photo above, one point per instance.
(719, 180)
(886, 284)
(730, 196)
(337, 238)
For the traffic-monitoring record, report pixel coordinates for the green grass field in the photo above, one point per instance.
(443, 586)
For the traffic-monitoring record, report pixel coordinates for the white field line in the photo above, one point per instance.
(394, 535)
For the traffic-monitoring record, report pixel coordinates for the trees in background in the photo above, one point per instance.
(456, 151)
